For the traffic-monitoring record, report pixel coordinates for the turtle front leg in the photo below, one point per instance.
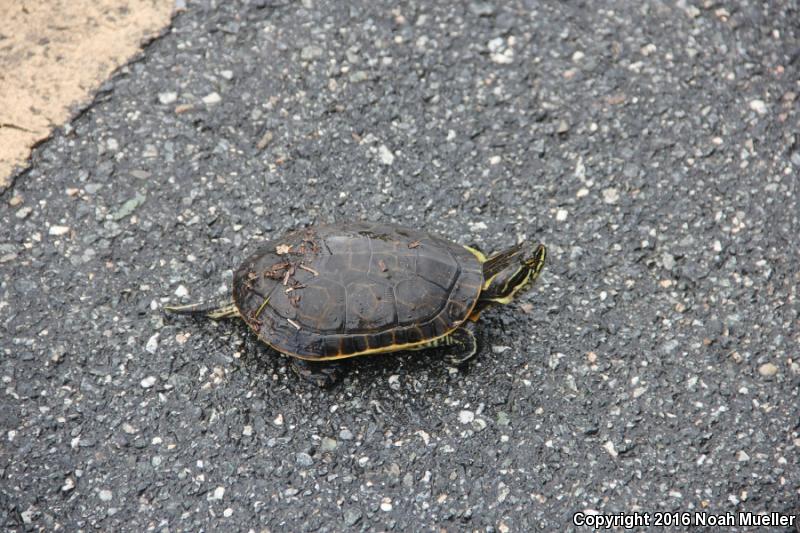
(321, 373)
(464, 343)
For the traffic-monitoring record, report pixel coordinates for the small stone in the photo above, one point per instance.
(167, 97)
(181, 292)
(148, 382)
(346, 434)
(394, 382)
(668, 261)
(387, 157)
(105, 495)
(503, 419)
(466, 417)
(609, 447)
(498, 349)
(227, 513)
(127, 428)
(768, 370)
(561, 215)
(303, 459)
(758, 106)
(577, 56)
(742, 456)
(152, 344)
(57, 230)
(648, 49)
(68, 485)
(563, 127)
(129, 207)
(328, 444)
(24, 212)
(227, 74)
(358, 76)
(386, 505)
(278, 420)
(670, 346)
(247, 431)
(310, 52)
(212, 98)
(218, 493)
(481, 8)
(610, 195)
(264, 141)
(15, 201)
(351, 517)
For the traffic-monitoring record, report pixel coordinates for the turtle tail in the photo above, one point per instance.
(208, 310)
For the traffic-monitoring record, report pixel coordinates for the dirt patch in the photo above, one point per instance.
(54, 54)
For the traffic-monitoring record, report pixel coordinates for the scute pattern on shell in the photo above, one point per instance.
(345, 289)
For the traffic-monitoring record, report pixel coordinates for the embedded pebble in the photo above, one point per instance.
(105, 495)
(768, 369)
(346, 434)
(310, 52)
(328, 444)
(610, 195)
(387, 157)
(152, 344)
(465, 417)
(58, 230)
(303, 459)
(148, 382)
(181, 292)
(218, 493)
(668, 261)
(758, 106)
(212, 98)
(167, 97)
(351, 517)
(128, 207)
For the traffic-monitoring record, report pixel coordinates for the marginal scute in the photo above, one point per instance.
(355, 288)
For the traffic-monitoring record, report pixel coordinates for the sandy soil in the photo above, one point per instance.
(54, 54)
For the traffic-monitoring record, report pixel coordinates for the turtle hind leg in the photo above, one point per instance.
(208, 310)
(321, 373)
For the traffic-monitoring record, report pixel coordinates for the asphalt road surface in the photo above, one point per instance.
(652, 146)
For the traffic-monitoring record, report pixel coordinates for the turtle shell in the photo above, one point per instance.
(336, 291)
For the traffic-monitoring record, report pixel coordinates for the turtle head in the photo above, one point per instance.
(511, 272)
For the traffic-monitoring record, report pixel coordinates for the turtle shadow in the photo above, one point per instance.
(233, 339)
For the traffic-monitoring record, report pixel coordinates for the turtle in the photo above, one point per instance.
(330, 292)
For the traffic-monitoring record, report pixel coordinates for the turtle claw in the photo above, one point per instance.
(322, 374)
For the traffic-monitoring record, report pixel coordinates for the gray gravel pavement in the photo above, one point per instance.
(654, 147)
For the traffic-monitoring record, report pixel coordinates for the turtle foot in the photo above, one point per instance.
(323, 374)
